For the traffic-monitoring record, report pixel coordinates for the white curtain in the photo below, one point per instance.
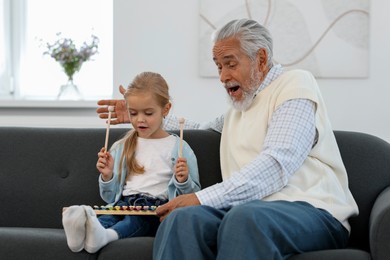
(4, 55)
(26, 26)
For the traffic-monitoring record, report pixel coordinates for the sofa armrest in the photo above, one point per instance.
(380, 226)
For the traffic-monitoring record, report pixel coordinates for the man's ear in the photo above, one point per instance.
(262, 60)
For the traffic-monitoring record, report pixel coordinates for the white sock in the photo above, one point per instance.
(96, 235)
(73, 220)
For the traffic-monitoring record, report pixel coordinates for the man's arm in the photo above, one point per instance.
(289, 139)
(288, 142)
(171, 122)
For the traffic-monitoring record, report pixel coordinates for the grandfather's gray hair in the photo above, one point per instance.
(251, 35)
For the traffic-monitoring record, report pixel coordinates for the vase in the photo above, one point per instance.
(69, 91)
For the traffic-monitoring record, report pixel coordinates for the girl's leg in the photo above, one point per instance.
(100, 231)
(97, 235)
(73, 220)
(108, 221)
(136, 226)
(277, 230)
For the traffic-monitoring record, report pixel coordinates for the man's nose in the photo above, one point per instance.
(224, 75)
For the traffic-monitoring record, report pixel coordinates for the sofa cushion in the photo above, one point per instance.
(128, 248)
(37, 243)
(337, 254)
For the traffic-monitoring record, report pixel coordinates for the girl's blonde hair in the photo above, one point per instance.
(145, 82)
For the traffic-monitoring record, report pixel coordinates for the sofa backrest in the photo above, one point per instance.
(43, 170)
(367, 160)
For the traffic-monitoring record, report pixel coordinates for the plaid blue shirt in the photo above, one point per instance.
(290, 137)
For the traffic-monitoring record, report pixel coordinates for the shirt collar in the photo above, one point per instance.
(273, 74)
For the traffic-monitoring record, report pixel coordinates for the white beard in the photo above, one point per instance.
(248, 95)
(242, 105)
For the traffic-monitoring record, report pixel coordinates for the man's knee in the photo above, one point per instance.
(248, 214)
(181, 217)
(183, 213)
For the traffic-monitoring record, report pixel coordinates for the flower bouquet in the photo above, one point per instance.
(70, 57)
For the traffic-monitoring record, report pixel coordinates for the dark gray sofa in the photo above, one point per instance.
(45, 169)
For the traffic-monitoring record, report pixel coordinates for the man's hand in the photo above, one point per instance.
(120, 115)
(178, 202)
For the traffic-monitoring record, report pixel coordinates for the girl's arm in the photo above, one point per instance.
(192, 184)
(110, 190)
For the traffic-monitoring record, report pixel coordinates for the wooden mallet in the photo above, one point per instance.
(110, 110)
(181, 122)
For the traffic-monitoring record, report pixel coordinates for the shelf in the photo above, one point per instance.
(48, 104)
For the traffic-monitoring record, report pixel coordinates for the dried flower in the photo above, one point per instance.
(70, 58)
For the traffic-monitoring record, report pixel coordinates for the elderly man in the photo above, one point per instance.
(285, 188)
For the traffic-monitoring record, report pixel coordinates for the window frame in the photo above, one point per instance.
(14, 38)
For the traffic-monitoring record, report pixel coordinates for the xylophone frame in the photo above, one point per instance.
(122, 211)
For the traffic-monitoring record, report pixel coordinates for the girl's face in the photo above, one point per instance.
(146, 115)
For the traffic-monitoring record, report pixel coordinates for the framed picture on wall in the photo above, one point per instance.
(330, 38)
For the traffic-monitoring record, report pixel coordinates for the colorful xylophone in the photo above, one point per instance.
(124, 210)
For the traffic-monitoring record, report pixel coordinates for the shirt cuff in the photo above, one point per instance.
(213, 196)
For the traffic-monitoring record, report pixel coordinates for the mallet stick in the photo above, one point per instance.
(110, 110)
(181, 122)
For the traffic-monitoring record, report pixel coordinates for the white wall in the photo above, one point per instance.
(364, 105)
(162, 36)
(164, 39)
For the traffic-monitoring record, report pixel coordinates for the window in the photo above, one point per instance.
(25, 28)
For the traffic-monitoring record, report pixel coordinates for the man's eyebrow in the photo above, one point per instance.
(227, 57)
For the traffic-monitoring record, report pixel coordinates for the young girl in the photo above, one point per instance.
(142, 169)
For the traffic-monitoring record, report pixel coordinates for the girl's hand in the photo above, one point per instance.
(105, 164)
(181, 170)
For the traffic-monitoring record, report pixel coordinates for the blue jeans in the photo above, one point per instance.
(133, 226)
(254, 230)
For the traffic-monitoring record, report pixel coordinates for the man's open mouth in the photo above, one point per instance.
(232, 89)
